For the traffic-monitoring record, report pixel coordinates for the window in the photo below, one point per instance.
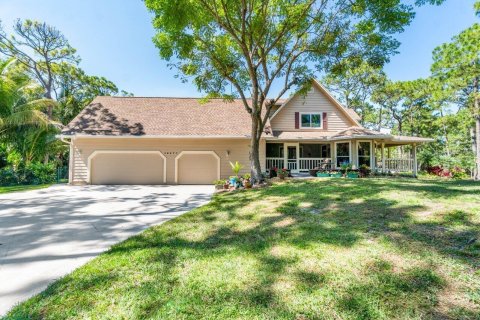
(310, 150)
(364, 153)
(311, 120)
(343, 153)
(274, 150)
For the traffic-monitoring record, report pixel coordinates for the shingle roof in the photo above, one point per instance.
(161, 117)
(356, 131)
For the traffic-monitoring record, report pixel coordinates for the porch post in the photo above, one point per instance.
(285, 156)
(414, 156)
(383, 157)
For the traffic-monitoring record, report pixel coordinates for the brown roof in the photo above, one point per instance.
(162, 117)
(357, 131)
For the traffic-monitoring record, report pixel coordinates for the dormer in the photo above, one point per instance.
(317, 111)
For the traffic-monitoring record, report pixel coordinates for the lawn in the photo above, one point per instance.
(22, 188)
(318, 249)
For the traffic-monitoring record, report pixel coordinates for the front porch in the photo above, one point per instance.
(378, 155)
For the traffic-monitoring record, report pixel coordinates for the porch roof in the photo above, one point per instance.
(347, 134)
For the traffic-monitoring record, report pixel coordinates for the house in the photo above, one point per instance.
(137, 140)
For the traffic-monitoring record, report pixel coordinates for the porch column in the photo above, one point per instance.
(414, 156)
(285, 156)
(383, 157)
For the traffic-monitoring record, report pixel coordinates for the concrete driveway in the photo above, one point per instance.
(47, 233)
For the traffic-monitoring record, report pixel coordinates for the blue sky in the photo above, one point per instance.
(113, 37)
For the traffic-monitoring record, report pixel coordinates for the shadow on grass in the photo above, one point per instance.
(306, 215)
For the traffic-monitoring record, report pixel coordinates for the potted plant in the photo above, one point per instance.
(336, 174)
(344, 167)
(282, 173)
(219, 184)
(226, 184)
(352, 174)
(246, 181)
(233, 181)
(323, 174)
(365, 170)
(236, 167)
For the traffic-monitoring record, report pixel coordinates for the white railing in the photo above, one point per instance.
(397, 165)
(311, 163)
(274, 163)
(292, 164)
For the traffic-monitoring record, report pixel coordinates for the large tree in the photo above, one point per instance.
(40, 49)
(260, 46)
(354, 83)
(457, 65)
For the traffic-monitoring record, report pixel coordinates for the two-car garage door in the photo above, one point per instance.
(150, 167)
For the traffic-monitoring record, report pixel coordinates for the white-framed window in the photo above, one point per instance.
(364, 152)
(342, 150)
(311, 121)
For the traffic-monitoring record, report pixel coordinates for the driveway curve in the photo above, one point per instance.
(47, 233)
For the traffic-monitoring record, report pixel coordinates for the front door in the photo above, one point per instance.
(292, 157)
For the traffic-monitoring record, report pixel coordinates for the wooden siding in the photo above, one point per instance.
(316, 102)
(238, 148)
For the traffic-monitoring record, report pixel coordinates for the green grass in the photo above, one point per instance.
(22, 188)
(319, 249)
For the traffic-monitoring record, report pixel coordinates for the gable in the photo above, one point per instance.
(317, 100)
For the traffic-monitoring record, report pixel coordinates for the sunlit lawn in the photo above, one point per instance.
(320, 249)
(22, 188)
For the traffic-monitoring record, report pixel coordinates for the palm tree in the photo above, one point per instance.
(22, 122)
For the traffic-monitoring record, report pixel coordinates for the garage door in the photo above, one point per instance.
(120, 167)
(197, 167)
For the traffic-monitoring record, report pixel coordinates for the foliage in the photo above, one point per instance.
(32, 173)
(257, 45)
(354, 83)
(236, 167)
(457, 66)
(219, 182)
(41, 88)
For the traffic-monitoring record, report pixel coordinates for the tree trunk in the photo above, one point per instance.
(48, 95)
(254, 155)
(476, 115)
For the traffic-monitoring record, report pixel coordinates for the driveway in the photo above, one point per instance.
(47, 233)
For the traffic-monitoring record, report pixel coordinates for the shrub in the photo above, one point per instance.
(39, 173)
(33, 173)
(8, 177)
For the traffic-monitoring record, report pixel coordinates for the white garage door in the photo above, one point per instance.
(123, 167)
(197, 167)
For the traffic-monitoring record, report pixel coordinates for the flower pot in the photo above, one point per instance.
(247, 184)
(352, 175)
(323, 175)
(226, 186)
(336, 175)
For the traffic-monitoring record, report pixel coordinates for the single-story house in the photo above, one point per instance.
(160, 140)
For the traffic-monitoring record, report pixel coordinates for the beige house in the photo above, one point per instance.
(136, 140)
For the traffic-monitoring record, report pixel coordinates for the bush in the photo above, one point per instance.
(33, 173)
(8, 177)
(455, 172)
(39, 173)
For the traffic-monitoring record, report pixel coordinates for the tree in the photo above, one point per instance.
(354, 84)
(257, 45)
(77, 89)
(24, 128)
(457, 65)
(40, 49)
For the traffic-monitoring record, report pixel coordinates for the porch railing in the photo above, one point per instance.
(275, 163)
(396, 165)
(303, 164)
(306, 164)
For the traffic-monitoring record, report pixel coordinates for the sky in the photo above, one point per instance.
(114, 40)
